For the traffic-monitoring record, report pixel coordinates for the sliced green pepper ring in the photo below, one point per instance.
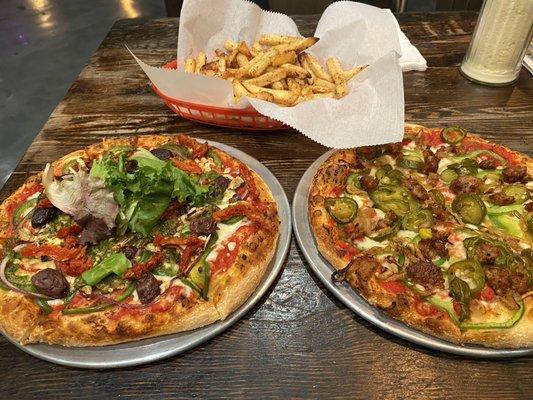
(342, 209)
(519, 192)
(470, 271)
(415, 220)
(448, 175)
(393, 198)
(470, 208)
(453, 134)
(353, 185)
(410, 162)
(438, 197)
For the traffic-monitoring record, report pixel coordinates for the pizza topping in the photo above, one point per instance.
(488, 163)
(341, 209)
(162, 154)
(415, 220)
(42, 216)
(50, 282)
(143, 267)
(203, 226)
(393, 198)
(470, 208)
(453, 134)
(426, 274)
(394, 149)
(502, 280)
(147, 288)
(465, 184)
(431, 162)
(369, 152)
(116, 263)
(529, 206)
(417, 190)
(515, 173)
(130, 252)
(94, 230)
(487, 253)
(433, 248)
(519, 193)
(131, 166)
(367, 182)
(501, 199)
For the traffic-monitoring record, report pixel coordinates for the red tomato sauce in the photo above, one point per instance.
(432, 138)
(21, 198)
(393, 287)
(472, 144)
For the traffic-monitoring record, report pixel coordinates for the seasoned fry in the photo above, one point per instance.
(238, 91)
(294, 70)
(275, 68)
(243, 49)
(231, 58)
(336, 72)
(229, 45)
(317, 68)
(242, 60)
(289, 57)
(263, 96)
(273, 40)
(326, 84)
(349, 74)
(268, 77)
(190, 65)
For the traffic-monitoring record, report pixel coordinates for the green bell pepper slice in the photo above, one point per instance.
(512, 321)
(100, 307)
(43, 305)
(341, 209)
(23, 210)
(508, 223)
(470, 208)
(216, 159)
(116, 263)
(233, 220)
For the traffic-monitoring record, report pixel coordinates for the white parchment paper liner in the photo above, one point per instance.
(372, 112)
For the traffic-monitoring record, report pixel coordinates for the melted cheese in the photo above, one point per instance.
(367, 243)
(230, 191)
(225, 232)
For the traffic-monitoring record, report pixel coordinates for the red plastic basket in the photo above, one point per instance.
(247, 118)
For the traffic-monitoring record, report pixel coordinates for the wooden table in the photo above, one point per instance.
(299, 341)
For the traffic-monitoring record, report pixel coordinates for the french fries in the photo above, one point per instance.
(277, 69)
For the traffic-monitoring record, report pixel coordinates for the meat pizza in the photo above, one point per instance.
(132, 238)
(435, 230)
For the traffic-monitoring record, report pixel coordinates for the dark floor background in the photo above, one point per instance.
(45, 43)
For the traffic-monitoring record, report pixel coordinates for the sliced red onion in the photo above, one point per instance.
(6, 282)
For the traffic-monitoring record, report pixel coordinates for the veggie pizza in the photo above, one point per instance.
(435, 230)
(132, 238)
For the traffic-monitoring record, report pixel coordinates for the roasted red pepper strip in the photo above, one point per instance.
(138, 269)
(71, 259)
(69, 231)
(249, 181)
(198, 149)
(174, 241)
(187, 166)
(251, 212)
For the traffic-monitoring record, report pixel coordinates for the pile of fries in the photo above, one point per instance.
(275, 69)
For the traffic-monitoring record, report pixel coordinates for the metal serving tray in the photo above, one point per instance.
(356, 303)
(148, 350)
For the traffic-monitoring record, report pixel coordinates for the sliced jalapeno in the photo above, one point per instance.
(518, 192)
(448, 175)
(453, 134)
(393, 198)
(389, 176)
(470, 271)
(342, 209)
(415, 220)
(410, 162)
(386, 232)
(470, 208)
(353, 185)
(438, 197)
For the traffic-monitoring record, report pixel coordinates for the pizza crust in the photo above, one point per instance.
(26, 323)
(330, 175)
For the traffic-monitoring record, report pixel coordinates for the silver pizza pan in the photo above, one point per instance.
(356, 303)
(149, 350)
